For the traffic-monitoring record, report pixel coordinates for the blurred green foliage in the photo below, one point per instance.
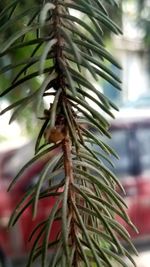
(19, 55)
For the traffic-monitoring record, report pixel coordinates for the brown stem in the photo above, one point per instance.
(68, 165)
(66, 142)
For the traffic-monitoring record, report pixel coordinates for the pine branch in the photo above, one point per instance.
(60, 49)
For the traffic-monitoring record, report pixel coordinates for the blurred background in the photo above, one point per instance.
(130, 130)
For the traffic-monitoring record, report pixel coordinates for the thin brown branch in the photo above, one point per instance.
(68, 165)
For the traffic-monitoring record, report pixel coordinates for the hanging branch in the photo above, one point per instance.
(61, 48)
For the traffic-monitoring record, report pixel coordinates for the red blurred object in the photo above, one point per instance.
(131, 139)
(14, 241)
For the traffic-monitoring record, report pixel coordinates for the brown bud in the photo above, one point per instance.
(54, 135)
